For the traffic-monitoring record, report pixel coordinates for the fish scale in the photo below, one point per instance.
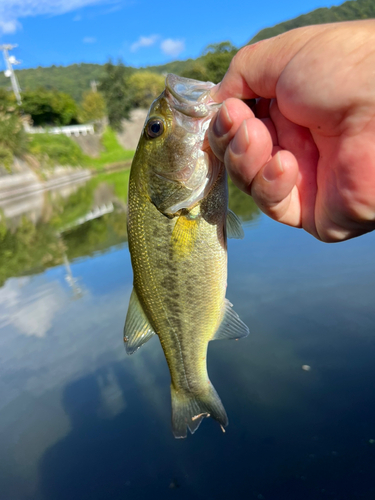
(170, 307)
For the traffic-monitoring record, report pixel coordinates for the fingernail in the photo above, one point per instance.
(240, 142)
(215, 90)
(223, 122)
(273, 170)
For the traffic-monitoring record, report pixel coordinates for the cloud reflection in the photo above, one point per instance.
(112, 401)
(97, 422)
(30, 307)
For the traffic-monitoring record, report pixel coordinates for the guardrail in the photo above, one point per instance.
(69, 130)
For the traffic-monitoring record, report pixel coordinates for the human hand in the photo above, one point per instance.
(306, 150)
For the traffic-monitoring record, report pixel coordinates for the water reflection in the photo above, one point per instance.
(29, 306)
(242, 205)
(76, 221)
(80, 419)
(35, 206)
(112, 401)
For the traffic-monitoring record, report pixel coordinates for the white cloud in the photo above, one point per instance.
(7, 27)
(144, 41)
(172, 47)
(169, 46)
(89, 39)
(12, 10)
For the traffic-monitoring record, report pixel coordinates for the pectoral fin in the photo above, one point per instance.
(231, 326)
(137, 330)
(234, 227)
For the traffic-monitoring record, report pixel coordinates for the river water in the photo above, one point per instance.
(79, 419)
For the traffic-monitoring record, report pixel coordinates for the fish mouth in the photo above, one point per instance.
(191, 97)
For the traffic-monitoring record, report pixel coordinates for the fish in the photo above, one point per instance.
(178, 223)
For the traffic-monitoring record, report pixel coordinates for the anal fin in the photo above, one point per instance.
(137, 330)
(234, 227)
(231, 327)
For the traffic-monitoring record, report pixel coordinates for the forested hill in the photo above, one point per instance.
(75, 79)
(348, 11)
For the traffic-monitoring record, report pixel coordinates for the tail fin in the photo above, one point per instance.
(188, 410)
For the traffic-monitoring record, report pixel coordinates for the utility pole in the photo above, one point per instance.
(9, 72)
(94, 86)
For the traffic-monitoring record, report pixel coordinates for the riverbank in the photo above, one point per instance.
(30, 176)
(22, 191)
(22, 186)
(16, 186)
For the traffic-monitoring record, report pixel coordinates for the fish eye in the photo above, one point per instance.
(155, 127)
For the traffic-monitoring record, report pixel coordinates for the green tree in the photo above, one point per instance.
(93, 107)
(7, 101)
(12, 135)
(47, 107)
(220, 48)
(65, 108)
(197, 71)
(116, 90)
(145, 87)
(217, 58)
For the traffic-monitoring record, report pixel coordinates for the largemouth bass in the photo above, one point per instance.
(178, 221)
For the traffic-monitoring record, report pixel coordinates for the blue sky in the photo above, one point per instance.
(141, 32)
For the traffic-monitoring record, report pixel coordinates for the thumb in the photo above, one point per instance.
(256, 69)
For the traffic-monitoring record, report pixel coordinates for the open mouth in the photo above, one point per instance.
(191, 97)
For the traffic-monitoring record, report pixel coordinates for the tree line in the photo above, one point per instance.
(348, 11)
(119, 90)
(125, 89)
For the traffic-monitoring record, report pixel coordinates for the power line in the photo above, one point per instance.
(9, 72)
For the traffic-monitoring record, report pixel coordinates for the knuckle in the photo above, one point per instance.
(357, 210)
(238, 170)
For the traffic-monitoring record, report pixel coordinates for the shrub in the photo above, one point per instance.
(12, 137)
(145, 86)
(56, 150)
(48, 107)
(92, 107)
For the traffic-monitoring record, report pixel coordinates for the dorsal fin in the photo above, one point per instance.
(137, 330)
(231, 326)
(234, 227)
